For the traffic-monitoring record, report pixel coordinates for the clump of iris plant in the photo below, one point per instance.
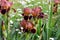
(55, 6)
(28, 26)
(28, 14)
(5, 6)
(32, 13)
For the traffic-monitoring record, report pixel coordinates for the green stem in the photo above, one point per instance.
(7, 25)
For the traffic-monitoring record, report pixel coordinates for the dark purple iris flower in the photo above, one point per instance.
(41, 15)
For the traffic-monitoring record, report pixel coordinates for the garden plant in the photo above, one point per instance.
(29, 19)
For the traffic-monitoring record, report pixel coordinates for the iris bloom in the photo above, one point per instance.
(56, 1)
(28, 26)
(5, 6)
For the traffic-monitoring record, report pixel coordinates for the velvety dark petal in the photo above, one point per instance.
(23, 14)
(30, 17)
(33, 30)
(3, 11)
(0, 7)
(25, 30)
(54, 5)
(53, 12)
(41, 15)
(26, 17)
